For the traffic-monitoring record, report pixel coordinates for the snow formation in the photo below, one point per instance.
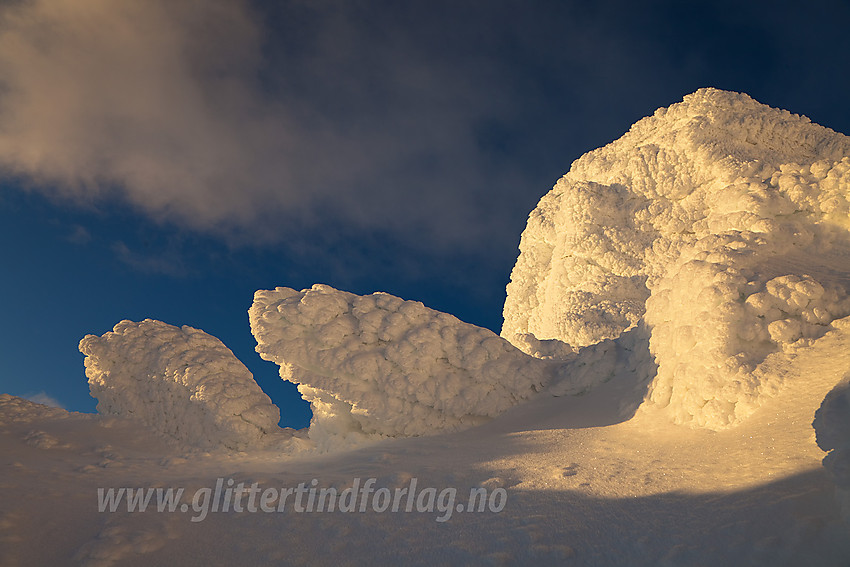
(704, 255)
(711, 235)
(183, 383)
(380, 365)
(832, 426)
(720, 222)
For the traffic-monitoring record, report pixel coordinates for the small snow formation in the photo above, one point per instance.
(832, 426)
(720, 222)
(182, 382)
(378, 365)
(594, 364)
(14, 409)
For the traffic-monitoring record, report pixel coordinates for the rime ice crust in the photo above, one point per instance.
(182, 382)
(378, 365)
(717, 221)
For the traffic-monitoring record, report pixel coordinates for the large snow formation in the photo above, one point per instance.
(380, 365)
(181, 382)
(720, 222)
(709, 236)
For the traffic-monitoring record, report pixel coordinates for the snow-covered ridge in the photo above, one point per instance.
(380, 365)
(720, 222)
(181, 382)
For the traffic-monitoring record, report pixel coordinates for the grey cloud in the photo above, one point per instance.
(439, 122)
(196, 114)
(154, 100)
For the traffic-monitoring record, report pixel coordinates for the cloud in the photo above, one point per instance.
(199, 115)
(43, 398)
(79, 235)
(169, 262)
(148, 99)
(438, 124)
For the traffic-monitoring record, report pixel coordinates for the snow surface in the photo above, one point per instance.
(720, 222)
(585, 488)
(695, 269)
(182, 382)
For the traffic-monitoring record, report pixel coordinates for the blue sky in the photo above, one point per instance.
(167, 159)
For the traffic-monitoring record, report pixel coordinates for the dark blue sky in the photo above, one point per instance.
(164, 160)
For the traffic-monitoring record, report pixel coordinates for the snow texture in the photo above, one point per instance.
(720, 222)
(378, 365)
(627, 356)
(183, 383)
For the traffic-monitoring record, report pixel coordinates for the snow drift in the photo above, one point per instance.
(183, 383)
(720, 222)
(379, 365)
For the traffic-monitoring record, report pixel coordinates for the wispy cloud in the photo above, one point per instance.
(169, 262)
(79, 235)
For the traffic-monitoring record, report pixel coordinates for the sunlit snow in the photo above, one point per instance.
(677, 319)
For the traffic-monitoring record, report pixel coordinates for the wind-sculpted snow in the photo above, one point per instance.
(181, 382)
(14, 409)
(379, 365)
(720, 222)
(711, 235)
(832, 426)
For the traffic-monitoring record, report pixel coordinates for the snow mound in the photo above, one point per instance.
(720, 222)
(628, 356)
(378, 365)
(14, 409)
(183, 383)
(832, 426)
